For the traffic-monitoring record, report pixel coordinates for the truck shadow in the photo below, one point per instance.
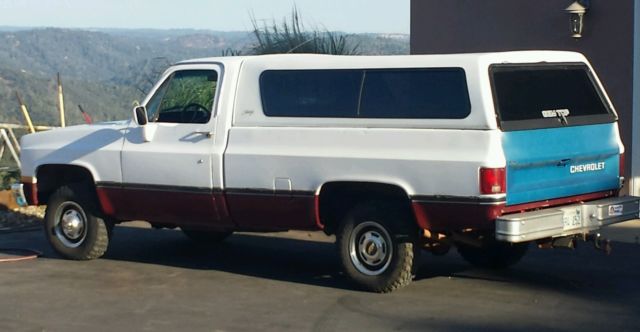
(283, 259)
(580, 273)
(270, 257)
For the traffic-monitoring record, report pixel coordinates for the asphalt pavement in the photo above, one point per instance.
(157, 280)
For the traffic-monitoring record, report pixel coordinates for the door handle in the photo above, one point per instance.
(209, 134)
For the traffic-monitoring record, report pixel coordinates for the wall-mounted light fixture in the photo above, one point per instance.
(577, 10)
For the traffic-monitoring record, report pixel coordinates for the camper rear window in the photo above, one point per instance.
(439, 93)
(547, 96)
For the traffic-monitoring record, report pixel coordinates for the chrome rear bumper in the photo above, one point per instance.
(566, 220)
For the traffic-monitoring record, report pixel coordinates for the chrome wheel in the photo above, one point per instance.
(71, 224)
(370, 248)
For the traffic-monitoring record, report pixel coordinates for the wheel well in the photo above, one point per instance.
(337, 198)
(52, 177)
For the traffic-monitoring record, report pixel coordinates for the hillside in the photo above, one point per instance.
(104, 70)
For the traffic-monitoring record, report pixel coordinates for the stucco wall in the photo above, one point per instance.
(453, 26)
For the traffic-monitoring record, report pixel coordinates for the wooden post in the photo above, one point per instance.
(61, 102)
(25, 112)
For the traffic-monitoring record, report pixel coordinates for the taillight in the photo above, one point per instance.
(493, 181)
(621, 161)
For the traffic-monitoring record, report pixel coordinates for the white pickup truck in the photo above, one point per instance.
(392, 154)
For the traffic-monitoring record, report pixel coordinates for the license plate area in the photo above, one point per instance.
(572, 219)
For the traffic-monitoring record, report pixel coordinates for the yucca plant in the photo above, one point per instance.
(231, 52)
(290, 36)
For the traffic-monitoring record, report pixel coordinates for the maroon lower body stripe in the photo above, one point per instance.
(242, 210)
(265, 210)
(262, 211)
(451, 215)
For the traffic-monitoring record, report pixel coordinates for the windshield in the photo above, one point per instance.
(547, 96)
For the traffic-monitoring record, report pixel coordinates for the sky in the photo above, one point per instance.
(354, 16)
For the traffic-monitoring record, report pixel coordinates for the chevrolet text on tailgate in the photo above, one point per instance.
(393, 154)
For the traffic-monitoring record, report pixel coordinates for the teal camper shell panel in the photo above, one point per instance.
(561, 162)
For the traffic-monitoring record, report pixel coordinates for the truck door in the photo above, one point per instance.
(168, 178)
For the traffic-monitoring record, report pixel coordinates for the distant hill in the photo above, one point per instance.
(105, 69)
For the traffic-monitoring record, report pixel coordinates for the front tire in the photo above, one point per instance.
(377, 247)
(73, 225)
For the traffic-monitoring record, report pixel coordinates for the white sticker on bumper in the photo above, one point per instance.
(615, 210)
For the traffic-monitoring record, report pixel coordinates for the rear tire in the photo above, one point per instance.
(73, 225)
(493, 254)
(377, 245)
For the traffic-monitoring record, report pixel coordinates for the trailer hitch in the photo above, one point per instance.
(599, 242)
(571, 242)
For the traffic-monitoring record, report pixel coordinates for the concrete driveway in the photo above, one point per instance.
(159, 280)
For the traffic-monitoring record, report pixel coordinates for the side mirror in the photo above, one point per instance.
(140, 115)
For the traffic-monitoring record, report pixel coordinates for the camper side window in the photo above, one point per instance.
(423, 93)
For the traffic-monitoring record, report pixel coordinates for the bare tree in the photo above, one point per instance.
(151, 71)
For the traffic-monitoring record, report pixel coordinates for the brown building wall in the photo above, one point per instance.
(462, 26)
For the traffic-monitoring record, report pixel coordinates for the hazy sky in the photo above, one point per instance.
(343, 15)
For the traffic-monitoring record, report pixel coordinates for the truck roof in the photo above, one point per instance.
(360, 61)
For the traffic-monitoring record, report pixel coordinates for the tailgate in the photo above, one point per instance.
(560, 135)
(559, 162)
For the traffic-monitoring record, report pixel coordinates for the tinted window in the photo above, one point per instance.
(311, 93)
(545, 96)
(415, 94)
(387, 93)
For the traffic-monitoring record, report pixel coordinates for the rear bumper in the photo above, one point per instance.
(566, 220)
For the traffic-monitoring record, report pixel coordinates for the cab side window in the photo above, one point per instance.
(185, 97)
